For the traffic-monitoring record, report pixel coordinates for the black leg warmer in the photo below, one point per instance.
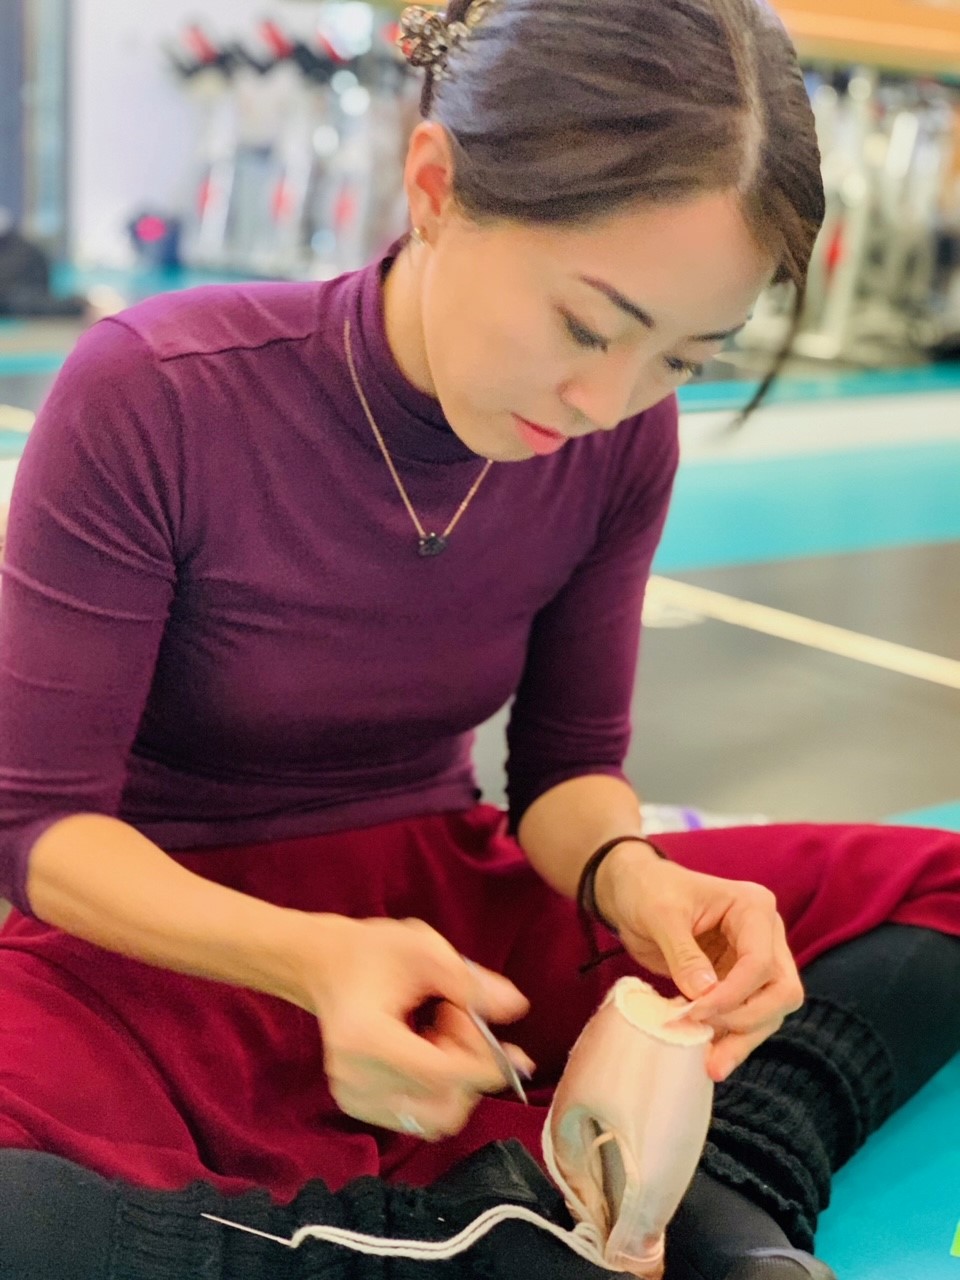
(797, 1109)
(879, 1021)
(60, 1222)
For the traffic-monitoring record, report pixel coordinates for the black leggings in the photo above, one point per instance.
(879, 1021)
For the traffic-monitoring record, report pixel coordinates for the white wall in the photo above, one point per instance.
(134, 129)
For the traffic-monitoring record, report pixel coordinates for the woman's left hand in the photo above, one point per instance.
(722, 941)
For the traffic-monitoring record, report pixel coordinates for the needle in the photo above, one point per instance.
(510, 1073)
(507, 1069)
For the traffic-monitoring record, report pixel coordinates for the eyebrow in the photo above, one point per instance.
(645, 318)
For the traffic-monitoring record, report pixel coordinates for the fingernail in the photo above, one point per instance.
(703, 980)
(522, 1063)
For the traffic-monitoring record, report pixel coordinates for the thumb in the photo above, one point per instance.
(689, 967)
(495, 997)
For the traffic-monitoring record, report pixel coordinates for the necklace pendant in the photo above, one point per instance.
(431, 545)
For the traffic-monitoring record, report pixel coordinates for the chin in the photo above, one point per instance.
(496, 446)
(513, 451)
(504, 453)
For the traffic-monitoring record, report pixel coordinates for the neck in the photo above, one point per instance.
(403, 320)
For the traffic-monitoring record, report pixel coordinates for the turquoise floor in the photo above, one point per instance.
(896, 1207)
(775, 508)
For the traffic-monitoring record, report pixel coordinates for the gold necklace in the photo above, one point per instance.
(428, 544)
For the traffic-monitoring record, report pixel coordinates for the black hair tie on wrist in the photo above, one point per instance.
(587, 910)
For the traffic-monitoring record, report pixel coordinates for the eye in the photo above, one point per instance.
(683, 368)
(583, 336)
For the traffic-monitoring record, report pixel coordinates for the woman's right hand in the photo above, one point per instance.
(371, 980)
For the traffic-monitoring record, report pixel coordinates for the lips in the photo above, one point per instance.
(542, 440)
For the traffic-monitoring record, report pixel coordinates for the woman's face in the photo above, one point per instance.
(530, 336)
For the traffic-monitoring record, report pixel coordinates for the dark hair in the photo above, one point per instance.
(562, 111)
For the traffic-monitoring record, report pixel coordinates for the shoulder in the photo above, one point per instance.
(201, 347)
(221, 318)
(132, 349)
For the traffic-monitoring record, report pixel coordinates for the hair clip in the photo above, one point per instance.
(427, 39)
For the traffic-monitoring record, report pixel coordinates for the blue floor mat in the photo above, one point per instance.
(753, 510)
(896, 1206)
(944, 817)
(826, 385)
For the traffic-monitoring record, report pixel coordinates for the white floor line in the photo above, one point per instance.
(823, 427)
(8, 470)
(13, 418)
(805, 631)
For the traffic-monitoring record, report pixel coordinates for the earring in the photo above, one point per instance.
(418, 236)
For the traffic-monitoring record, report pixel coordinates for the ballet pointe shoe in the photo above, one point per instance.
(628, 1123)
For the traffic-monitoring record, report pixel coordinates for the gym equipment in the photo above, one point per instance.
(301, 143)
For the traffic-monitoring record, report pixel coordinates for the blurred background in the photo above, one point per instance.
(143, 147)
(146, 148)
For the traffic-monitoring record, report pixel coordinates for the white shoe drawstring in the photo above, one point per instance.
(584, 1239)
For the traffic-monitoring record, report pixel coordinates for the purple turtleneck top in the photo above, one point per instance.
(215, 624)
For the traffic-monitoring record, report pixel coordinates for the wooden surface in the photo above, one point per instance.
(907, 34)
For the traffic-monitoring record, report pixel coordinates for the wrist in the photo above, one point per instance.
(627, 853)
(301, 955)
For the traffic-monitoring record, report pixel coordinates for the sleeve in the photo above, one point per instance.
(571, 714)
(88, 581)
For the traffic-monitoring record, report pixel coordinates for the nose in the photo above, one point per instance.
(604, 394)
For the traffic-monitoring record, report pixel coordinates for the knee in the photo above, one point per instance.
(56, 1218)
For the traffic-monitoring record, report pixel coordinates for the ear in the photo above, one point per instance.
(428, 176)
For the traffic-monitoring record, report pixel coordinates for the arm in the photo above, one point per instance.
(101, 880)
(572, 714)
(565, 824)
(89, 581)
(90, 578)
(569, 735)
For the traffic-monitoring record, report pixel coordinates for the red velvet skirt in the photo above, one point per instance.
(162, 1079)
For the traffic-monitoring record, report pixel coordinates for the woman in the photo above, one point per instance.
(274, 552)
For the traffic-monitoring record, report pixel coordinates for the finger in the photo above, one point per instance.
(431, 1121)
(392, 1056)
(689, 967)
(465, 983)
(750, 1017)
(727, 1053)
(407, 1122)
(495, 997)
(524, 1064)
(399, 1114)
(453, 1026)
(780, 997)
(464, 1032)
(388, 1056)
(776, 1000)
(754, 938)
(447, 1117)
